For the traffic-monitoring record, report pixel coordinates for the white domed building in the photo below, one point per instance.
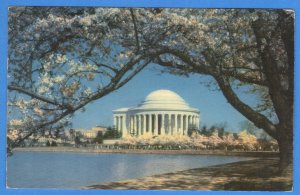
(163, 112)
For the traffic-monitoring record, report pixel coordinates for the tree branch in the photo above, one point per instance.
(202, 68)
(135, 30)
(137, 70)
(36, 96)
(113, 85)
(258, 119)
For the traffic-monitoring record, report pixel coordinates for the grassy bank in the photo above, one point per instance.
(142, 151)
(253, 175)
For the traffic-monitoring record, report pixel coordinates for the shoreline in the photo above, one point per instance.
(145, 151)
(251, 175)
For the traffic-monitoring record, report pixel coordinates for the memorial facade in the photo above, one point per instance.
(163, 112)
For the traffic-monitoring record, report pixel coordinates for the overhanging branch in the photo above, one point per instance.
(36, 96)
(258, 119)
(201, 67)
(117, 82)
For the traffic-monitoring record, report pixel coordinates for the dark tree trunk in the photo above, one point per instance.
(285, 143)
(281, 94)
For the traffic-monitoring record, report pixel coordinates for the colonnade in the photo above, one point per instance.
(156, 123)
(120, 122)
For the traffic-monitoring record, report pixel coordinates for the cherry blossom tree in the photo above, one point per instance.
(247, 140)
(242, 50)
(61, 59)
(229, 141)
(199, 140)
(214, 140)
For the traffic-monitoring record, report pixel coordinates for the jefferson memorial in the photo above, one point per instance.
(163, 112)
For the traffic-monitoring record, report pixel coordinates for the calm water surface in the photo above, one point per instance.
(74, 170)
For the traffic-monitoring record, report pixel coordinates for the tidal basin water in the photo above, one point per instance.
(75, 170)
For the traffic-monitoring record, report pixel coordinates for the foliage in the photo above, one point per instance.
(244, 141)
(242, 50)
(61, 59)
(53, 143)
(112, 133)
(248, 140)
(99, 138)
(77, 141)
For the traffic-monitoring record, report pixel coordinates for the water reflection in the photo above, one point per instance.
(74, 170)
(119, 169)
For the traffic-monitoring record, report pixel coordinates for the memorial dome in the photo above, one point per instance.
(164, 99)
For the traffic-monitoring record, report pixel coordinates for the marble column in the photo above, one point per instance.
(150, 124)
(115, 121)
(169, 124)
(189, 123)
(134, 124)
(156, 125)
(181, 125)
(176, 124)
(138, 124)
(118, 123)
(131, 124)
(193, 121)
(124, 130)
(162, 129)
(144, 124)
(116, 126)
(186, 125)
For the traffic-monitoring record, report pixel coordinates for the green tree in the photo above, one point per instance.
(112, 133)
(99, 138)
(77, 141)
(205, 131)
(53, 143)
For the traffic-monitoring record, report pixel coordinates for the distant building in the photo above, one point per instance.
(163, 112)
(92, 133)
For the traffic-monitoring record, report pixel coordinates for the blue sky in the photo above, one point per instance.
(211, 103)
(206, 98)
